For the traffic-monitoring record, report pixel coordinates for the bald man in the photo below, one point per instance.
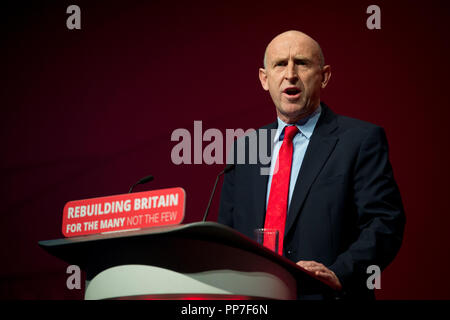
(331, 191)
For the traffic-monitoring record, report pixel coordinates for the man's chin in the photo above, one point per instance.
(292, 113)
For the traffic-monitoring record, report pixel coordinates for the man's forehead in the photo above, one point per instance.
(291, 47)
(287, 51)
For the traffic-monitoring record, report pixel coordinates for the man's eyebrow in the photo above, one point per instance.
(302, 58)
(278, 59)
(297, 58)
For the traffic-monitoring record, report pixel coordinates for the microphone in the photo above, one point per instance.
(142, 181)
(228, 168)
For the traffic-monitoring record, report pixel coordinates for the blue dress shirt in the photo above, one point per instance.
(301, 140)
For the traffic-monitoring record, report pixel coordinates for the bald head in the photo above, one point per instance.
(294, 73)
(294, 36)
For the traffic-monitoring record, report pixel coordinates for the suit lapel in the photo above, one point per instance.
(260, 185)
(320, 146)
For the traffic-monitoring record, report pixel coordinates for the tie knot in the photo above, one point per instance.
(290, 132)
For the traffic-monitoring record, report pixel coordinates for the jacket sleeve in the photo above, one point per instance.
(380, 213)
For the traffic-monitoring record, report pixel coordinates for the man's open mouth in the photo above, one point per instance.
(292, 91)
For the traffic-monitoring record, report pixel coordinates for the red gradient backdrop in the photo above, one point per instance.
(86, 113)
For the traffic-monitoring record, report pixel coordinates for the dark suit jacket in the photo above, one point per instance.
(346, 211)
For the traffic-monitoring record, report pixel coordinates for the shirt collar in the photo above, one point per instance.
(305, 126)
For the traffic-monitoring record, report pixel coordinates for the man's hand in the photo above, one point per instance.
(321, 272)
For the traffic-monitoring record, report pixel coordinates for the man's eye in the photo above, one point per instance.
(301, 62)
(280, 64)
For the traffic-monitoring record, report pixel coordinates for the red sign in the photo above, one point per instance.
(128, 211)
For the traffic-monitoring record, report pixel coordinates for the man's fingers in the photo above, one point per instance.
(320, 271)
(309, 264)
(316, 268)
(322, 274)
(306, 262)
(329, 279)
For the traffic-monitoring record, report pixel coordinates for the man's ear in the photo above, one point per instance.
(263, 78)
(326, 75)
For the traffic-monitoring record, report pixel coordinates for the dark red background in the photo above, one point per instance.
(86, 113)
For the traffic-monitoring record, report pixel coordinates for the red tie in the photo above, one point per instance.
(279, 190)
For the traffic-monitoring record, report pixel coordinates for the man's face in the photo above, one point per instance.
(293, 75)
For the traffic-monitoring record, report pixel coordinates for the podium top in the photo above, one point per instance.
(170, 244)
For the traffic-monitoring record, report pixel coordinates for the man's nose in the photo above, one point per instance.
(291, 73)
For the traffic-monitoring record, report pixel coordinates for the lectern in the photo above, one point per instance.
(203, 260)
